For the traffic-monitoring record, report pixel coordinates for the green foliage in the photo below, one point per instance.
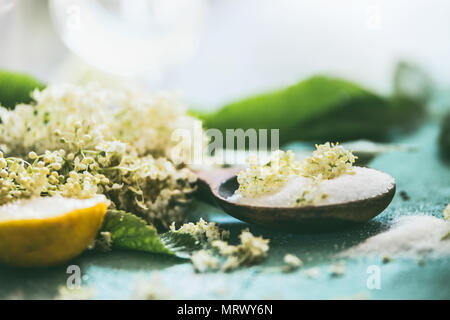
(16, 88)
(320, 109)
(182, 244)
(130, 232)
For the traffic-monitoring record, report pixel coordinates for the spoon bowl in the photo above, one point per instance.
(222, 184)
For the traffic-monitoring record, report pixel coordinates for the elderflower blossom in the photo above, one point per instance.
(251, 250)
(70, 136)
(292, 263)
(231, 263)
(202, 230)
(328, 161)
(44, 177)
(224, 248)
(152, 188)
(269, 176)
(70, 116)
(203, 261)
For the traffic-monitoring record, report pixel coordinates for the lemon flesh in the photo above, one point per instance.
(48, 231)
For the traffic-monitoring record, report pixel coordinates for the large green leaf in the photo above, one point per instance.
(320, 108)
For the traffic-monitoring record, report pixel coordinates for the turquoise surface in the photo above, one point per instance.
(421, 174)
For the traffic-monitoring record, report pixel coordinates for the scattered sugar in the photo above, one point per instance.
(364, 183)
(409, 237)
(46, 207)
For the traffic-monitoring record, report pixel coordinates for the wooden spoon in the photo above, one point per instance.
(217, 185)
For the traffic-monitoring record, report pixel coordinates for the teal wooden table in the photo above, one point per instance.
(421, 174)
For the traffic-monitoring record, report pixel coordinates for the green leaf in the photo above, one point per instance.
(321, 109)
(16, 88)
(182, 244)
(130, 232)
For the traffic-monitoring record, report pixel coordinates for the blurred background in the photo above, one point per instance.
(217, 51)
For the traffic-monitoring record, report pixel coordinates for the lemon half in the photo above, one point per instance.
(48, 231)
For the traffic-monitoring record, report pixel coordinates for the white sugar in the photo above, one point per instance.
(365, 183)
(410, 237)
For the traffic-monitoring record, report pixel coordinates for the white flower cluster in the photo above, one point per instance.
(250, 251)
(260, 178)
(292, 263)
(202, 231)
(143, 120)
(203, 261)
(43, 176)
(83, 140)
(328, 161)
(217, 253)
